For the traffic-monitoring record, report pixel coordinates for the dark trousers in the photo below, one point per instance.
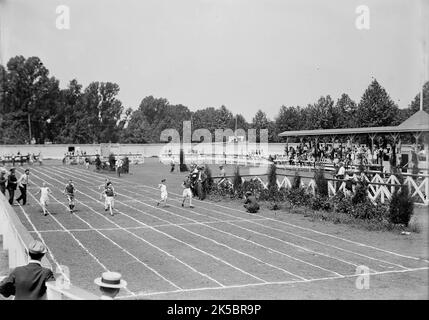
(23, 195)
(11, 195)
(3, 189)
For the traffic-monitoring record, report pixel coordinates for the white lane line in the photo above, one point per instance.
(241, 238)
(147, 242)
(141, 295)
(104, 236)
(172, 237)
(277, 239)
(268, 236)
(295, 226)
(44, 242)
(77, 240)
(74, 238)
(143, 227)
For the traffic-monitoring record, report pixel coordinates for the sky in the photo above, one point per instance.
(244, 54)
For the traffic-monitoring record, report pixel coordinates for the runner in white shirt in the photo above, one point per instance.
(164, 194)
(44, 197)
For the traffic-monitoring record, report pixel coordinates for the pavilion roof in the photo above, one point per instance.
(418, 122)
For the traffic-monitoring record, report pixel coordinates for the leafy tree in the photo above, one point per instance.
(376, 108)
(345, 111)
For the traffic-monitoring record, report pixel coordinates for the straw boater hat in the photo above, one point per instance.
(111, 280)
(37, 247)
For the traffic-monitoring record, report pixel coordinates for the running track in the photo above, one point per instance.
(177, 250)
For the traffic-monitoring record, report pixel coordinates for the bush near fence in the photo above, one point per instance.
(356, 206)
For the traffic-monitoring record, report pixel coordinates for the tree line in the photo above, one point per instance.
(32, 103)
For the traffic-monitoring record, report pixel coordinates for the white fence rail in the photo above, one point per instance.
(379, 189)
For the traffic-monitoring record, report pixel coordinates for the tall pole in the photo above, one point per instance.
(29, 127)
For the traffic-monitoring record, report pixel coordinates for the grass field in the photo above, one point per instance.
(216, 250)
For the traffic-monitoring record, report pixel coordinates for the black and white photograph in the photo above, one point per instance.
(214, 154)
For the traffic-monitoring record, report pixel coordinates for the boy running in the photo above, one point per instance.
(69, 191)
(164, 193)
(44, 197)
(187, 193)
(103, 194)
(109, 193)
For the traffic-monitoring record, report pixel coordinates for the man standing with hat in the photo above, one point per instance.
(22, 185)
(110, 284)
(29, 282)
(12, 182)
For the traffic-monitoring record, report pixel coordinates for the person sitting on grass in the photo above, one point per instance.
(250, 203)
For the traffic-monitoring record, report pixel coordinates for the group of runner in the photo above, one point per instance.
(186, 194)
(70, 190)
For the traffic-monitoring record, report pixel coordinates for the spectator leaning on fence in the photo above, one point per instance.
(29, 282)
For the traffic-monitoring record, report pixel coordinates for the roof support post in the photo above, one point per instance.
(372, 137)
(416, 136)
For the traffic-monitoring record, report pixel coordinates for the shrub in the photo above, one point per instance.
(368, 211)
(342, 204)
(253, 185)
(320, 202)
(360, 195)
(296, 183)
(208, 182)
(298, 197)
(321, 183)
(221, 190)
(272, 176)
(237, 181)
(401, 207)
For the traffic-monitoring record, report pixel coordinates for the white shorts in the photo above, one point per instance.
(110, 201)
(164, 196)
(44, 201)
(187, 193)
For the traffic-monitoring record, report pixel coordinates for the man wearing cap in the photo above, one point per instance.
(12, 182)
(29, 282)
(22, 185)
(110, 283)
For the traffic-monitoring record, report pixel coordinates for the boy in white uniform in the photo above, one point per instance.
(44, 197)
(187, 193)
(164, 193)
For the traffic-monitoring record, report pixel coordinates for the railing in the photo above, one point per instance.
(16, 240)
(216, 159)
(379, 188)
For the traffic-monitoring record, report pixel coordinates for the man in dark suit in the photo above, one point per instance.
(12, 183)
(29, 282)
